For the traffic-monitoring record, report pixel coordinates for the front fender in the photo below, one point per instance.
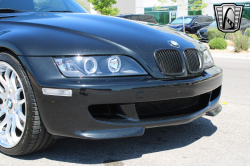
(8, 45)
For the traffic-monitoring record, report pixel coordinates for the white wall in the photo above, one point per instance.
(126, 6)
(139, 7)
(130, 6)
(152, 3)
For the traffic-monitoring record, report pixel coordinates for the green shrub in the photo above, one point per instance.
(194, 36)
(241, 42)
(248, 32)
(218, 43)
(213, 33)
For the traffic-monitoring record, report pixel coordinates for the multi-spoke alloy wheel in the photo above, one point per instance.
(12, 106)
(21, 128)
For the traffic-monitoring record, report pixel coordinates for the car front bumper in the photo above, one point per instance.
(71, 116)
(202, 38)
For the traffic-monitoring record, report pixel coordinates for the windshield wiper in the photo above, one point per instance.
(8, 10)
(62, 11)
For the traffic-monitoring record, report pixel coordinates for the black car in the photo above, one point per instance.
(192, 23)
(67, 73)
(202, 33)
(139, 17)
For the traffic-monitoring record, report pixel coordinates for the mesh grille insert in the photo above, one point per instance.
(163, 107)
(193, 59)
(170, 62)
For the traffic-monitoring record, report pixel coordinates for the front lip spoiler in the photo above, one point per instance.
(215, 111)
(113, 133)
(212, 110)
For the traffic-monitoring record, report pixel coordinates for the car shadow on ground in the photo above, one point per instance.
(107, 151)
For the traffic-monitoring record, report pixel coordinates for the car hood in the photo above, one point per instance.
(58, 34)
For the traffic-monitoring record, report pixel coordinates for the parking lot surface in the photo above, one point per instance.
(222, 140)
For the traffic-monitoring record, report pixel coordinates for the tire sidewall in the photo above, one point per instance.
(26, 137)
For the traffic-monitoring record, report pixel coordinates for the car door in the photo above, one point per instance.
(206, 21)
(196, 25)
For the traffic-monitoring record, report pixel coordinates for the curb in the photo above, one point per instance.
(231, 56)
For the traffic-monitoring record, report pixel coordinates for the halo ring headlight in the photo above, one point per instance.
(90, 65)
(114, 64)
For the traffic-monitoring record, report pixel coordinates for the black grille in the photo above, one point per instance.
(159, 108)
(170, 62)
(193, 60)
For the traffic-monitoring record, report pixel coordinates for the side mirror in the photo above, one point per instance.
(195, 23)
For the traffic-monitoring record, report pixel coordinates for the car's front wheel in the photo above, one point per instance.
(21, 128)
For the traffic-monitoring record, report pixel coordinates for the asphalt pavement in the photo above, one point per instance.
(221, 140)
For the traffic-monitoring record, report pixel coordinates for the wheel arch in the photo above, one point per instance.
(7, 46)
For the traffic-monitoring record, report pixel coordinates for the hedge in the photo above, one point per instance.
(248, 32)
(215, 33)
(241, 42)
(218, 43)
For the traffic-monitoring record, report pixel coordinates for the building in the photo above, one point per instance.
(171, 11)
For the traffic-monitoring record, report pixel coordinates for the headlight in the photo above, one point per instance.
(90, 65)
(99, 66)
(208, 59)
(114, 64)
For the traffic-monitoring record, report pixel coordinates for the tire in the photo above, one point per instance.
(24, 131)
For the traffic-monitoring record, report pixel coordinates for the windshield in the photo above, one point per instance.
(214, 24)
(43, 6)
(180, 20)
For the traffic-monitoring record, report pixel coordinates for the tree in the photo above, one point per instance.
(194, 5)
(105, 7)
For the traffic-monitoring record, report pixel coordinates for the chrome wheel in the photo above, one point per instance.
(12, 107)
